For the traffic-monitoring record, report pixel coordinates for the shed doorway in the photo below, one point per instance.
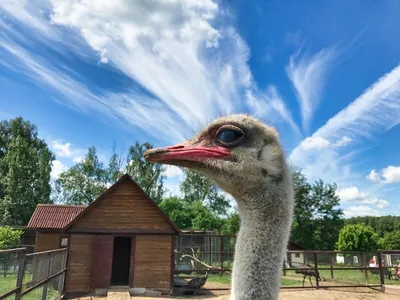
(121, 261)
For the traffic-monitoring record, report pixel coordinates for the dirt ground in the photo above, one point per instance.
(361, 294)
(304, 295)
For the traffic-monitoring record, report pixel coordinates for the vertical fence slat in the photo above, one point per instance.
(221, 254)
(316, 269)
(44, 294)
(331, 260)
(381, 274)
(365, 265)
(21, 270)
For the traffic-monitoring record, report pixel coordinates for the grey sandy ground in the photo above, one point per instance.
(307, 295)
(289, 295)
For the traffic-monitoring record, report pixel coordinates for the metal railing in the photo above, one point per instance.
(32, 276)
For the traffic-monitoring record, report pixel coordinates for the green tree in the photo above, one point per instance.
(114, 171)
(9, 237)
(358, 237)
(86, 180)
(317, 217)
(231, 224)
(303, 211)
(203, 218)
(25, 167)
(148, 175)
(83, 182)
(190, 215)
(391, 241)
(177, 210)
(196, 187)
(381, 225)
(328, 218)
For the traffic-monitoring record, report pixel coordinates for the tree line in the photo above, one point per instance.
(25, 167)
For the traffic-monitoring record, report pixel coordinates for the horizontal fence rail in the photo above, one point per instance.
(37, 275)
(200, 254)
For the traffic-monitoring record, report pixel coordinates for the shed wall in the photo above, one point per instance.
(124, 208)
(47, 241)
(79, 263)
(153, 262)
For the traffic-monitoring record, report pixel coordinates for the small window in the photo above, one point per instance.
(297, 255)
(63, 242)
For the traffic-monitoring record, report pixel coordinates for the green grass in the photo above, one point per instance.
(226, 279)
(8, 283)
(346, 277)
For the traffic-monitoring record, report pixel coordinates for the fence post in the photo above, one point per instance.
(210, 262)
(61, 284)
(221, 255)
(44, 294)
(365, 271)
(381, 275)
(21, 256)
(284, 266)
(316, 270)
(331, 258)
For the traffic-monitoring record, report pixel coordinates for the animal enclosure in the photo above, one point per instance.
(32, 276)
(121, 238)
(198, 254)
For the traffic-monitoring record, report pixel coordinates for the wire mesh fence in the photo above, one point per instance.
(197, 254)
(32, 276)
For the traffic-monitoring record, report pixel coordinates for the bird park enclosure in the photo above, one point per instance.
(33, 276)
(210, 257)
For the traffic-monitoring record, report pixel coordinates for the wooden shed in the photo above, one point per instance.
(121, 239)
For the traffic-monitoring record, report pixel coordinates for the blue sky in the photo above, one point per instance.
(326, 74)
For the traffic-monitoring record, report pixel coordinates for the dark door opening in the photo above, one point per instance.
(121, 261)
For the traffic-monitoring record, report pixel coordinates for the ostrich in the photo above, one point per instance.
(244, 157)
(309, 271)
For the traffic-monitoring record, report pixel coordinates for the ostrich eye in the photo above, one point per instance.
(229, 135)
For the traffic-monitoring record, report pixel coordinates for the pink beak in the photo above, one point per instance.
(187, 152)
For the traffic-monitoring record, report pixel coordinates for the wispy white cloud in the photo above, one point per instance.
(308, 75)
(375, 111)
(57, 168)
(360, 211)
(266, 103)
(190, 67)
(344, 141)
(390, 174)
(353, 194)
(317, 142)
(62, 149)
(27, 12)
(373, 176)
(172, 171)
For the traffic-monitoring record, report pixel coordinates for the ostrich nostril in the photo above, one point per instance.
(177, 147)
(152, 152)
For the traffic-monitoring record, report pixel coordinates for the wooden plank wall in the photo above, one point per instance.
(79, 263)
(47, 241)
(125, 207)
(153, 262)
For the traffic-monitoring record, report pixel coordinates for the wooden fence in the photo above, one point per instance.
(198, 254)
(32, 276)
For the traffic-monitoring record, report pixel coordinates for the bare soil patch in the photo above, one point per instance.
(285, 295)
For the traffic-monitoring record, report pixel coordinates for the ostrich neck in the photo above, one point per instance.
(261, 244)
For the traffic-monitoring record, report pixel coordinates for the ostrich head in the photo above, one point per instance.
(238, 152)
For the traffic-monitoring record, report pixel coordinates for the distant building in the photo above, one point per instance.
(122, 238)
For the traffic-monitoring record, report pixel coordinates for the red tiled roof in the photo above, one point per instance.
(54, 216)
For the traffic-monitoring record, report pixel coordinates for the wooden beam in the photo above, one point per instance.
(172, 266)
(120, 230)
